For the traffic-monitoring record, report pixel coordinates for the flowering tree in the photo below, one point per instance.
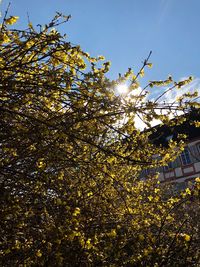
(71, 156)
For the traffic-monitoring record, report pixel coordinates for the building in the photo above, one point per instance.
(186, 167)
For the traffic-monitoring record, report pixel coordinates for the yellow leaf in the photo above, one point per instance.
(112, 233)
(11, 20)
(30, 25)
(59, 201)
(149, 65)
(39, 253)
(197, 180)
(142, 73)
(187, 191)
(4, 38)
(141, 237)
(150, 198)
(197, 123)
(187, 237)
(41, 164)
(89, 194)
(76, 212)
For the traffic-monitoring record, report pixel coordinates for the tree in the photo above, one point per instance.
(71, 156)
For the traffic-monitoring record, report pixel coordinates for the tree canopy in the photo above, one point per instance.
(71, 157)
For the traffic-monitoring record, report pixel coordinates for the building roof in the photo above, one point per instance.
(163, 133)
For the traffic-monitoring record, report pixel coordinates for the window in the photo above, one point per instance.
(178, 187)
(185, 157)
(146, 172)
(168, 167)
(198, 148)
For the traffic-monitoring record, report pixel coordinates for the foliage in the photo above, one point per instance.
(71, 155)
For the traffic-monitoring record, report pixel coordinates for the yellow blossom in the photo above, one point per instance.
(76, 212)
(187, 237)
(11, 20)
(39, 253)
(188, 191)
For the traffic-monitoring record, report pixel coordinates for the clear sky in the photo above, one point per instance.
(124, 31)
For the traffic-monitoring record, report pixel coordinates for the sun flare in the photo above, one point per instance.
(122, 88)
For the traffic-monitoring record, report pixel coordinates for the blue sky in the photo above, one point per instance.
(124, 31)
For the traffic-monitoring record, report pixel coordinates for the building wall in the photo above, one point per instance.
(180, 171)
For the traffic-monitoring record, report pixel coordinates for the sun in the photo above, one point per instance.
(122, 88)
